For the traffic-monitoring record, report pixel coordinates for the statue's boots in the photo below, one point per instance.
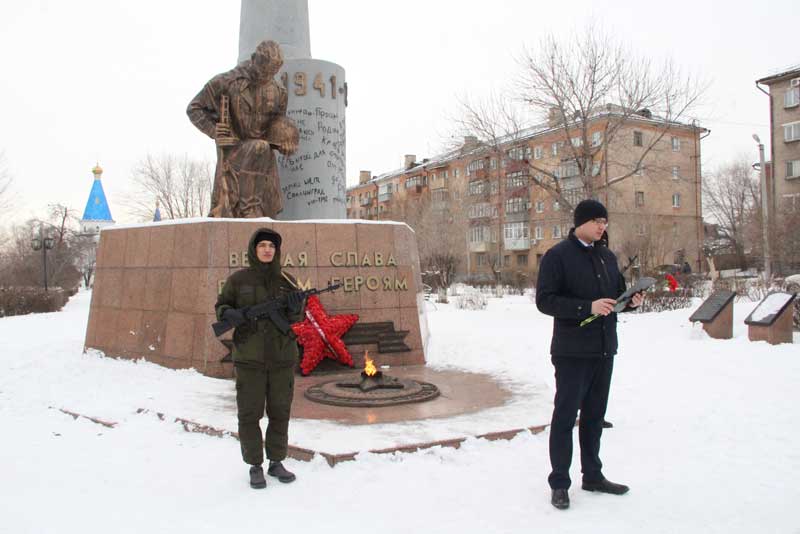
(277, 470)
(257, 480)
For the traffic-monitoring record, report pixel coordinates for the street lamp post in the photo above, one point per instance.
(45, 244)
(764, 209)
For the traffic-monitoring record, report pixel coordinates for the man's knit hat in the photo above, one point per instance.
(589, 209)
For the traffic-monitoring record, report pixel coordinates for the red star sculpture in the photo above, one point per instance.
(320, 335)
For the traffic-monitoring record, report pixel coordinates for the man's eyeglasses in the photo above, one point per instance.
(600, 222)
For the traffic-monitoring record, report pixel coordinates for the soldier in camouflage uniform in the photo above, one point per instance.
(264, 357)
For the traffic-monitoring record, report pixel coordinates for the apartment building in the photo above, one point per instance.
(783, 182)
(499, 196)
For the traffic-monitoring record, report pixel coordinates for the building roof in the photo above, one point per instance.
(525, 134)
(790, 72)
(97, 205)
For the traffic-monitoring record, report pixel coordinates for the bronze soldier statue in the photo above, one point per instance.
(244, 111)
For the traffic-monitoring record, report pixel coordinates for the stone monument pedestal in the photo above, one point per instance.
(156, 285)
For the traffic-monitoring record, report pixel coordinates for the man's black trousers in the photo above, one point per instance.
(581, 383)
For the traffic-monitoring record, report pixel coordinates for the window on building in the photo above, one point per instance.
(595, 169)
(493, 163)
(637, 138)
(554, 149)
(640, 198)
(522, 260)
(516, 205)
(413, 182)
(791, 131)
(676, 144)
(477, 187)
(597, 138)
(639, 171)
(567, 170)
(456, 173)
(676, 200)
(640, 229)
(556, 232)
(793, 168)
(518, 230)
(507, 260)
(481, 210)
(481, 259)
(479, 234)
(516, 179)
(556, 205)
(676, 172)
(519, 153)
(474, 166)
(495, 186)
(576, 141)
(539, 206)
(791, 98)
(538, 233)
(538, 153)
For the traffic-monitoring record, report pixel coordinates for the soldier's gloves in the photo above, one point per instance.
(234, 317)
(294, 302)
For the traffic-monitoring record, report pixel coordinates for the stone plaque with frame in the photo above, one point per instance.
(716, 314)
(771, 320)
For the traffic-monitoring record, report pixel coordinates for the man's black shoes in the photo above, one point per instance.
(277, 470)
(560, 499)
(605, 486)
(257, 480)
(607, 424)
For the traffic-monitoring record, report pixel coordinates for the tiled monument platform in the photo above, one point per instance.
(156, 285)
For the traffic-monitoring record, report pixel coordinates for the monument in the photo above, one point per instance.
(716, 315)
(156, 284)
(313, 182)
(244, 110)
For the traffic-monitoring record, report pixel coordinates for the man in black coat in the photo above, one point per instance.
(578, 278)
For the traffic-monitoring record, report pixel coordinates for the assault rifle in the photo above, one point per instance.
(272, 308)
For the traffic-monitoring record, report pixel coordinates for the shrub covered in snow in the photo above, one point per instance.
(471, 300)
(23, 300)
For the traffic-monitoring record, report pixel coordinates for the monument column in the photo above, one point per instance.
(313, 178)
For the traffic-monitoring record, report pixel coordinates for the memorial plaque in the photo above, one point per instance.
(713, 305)
(770, 309)
(771, 320)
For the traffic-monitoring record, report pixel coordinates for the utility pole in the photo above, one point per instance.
(764, 210)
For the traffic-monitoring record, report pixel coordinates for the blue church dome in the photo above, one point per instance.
(97, 205)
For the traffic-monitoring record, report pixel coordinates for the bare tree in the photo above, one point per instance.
(731, 197)
(180, 186)
(590, 89)
(438, 219)
(5, 183)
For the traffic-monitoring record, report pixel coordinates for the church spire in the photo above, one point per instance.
(97, 213)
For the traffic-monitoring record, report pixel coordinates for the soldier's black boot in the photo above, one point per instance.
(257, 480)
(560, 498)
(277, 470)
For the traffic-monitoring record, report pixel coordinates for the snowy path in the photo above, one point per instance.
(705, 434)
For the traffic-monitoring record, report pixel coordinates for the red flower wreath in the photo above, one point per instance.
(320, 335)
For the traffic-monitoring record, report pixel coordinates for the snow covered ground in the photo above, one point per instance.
(705, 434)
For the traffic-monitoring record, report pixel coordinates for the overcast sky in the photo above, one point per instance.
(108, 81)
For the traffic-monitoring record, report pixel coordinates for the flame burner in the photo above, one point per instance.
(369, 391)
(377, 380)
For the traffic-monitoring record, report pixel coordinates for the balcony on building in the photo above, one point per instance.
(520, 243)
(480, 246)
